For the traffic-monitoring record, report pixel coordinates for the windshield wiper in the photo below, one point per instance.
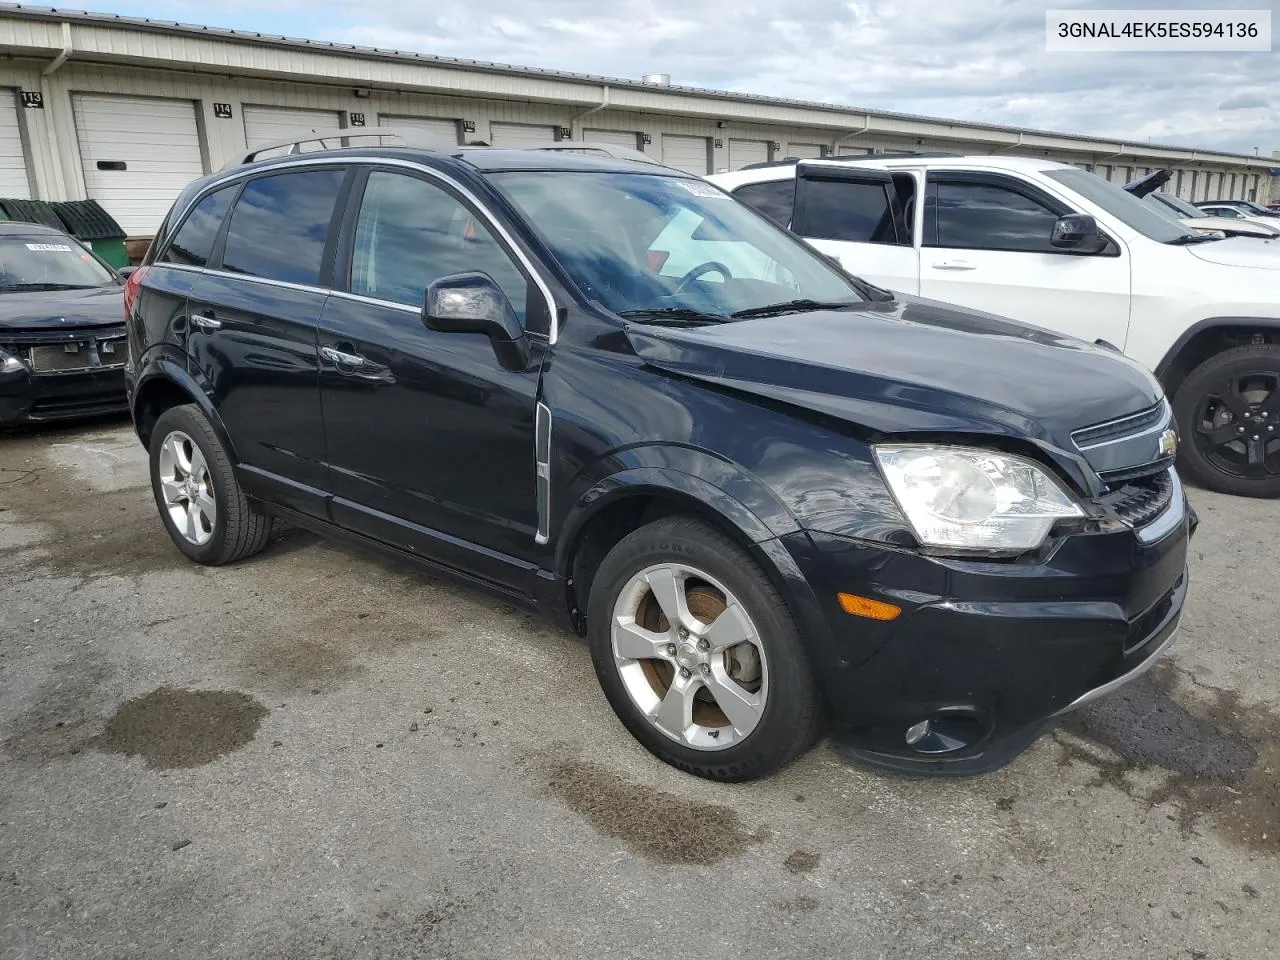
(1189, 238)
(673, 316)
(793, 306)
(45, 286)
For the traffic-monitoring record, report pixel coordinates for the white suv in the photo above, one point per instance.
(1054, 245)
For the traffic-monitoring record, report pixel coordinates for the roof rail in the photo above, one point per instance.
(850, 158)
(337, 138)
(595, 146)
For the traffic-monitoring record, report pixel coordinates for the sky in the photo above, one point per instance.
(974, 60)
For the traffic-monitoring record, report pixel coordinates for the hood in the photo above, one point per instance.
(912, 365)
(1240, 252)
(61, 309)
(1227, 225)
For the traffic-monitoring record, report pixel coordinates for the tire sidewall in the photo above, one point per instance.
(1186, 405)
(194, 426)
(770, 743)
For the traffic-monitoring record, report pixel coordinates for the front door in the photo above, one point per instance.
(986, 246)
(431, 441)
(252, 341)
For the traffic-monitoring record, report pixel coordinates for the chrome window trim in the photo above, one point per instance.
(285, 164)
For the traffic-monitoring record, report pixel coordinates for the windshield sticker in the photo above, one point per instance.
(58, 247)
(700, 189)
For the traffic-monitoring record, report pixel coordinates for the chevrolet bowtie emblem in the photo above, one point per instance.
(1168, 443)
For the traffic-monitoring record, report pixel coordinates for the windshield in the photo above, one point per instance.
(48, 262)
(1177, 204)
(1120, 204)
(1256, 208)
(641, 244)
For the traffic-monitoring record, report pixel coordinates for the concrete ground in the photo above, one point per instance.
(318, 753)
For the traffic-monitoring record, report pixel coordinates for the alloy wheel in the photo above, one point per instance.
(1237, 425)
(187, 488)
(689, 656)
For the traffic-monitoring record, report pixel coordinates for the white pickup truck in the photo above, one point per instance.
(1053, 245)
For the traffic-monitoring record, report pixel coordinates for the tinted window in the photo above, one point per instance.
(980, 216)
(1120, 204)
(48, 260)
(774, 199)
(411, 232)
(847, 210)
(280, 224)
(194, 242)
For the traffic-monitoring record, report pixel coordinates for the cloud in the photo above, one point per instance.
(1242, 101)
(977, 60)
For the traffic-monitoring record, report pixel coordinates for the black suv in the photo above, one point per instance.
(767, 492)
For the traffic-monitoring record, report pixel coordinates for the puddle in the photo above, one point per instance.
(801, 861)
(171, 728)
(1223, 758)
(656, 825)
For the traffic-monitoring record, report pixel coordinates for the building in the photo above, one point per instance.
(127, 111)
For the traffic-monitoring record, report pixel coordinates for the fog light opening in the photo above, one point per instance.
(947, 731)
(918, 731)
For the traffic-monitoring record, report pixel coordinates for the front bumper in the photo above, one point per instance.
(986, 655)
(92, 384)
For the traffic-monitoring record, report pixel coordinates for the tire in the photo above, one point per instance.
(1249, 377)
(238, 527)
(766, 679)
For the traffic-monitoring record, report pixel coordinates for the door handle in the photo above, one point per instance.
(342, 358)
(206, 321)
(954, 265)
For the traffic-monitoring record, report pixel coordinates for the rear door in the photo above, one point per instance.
(253, 317)
(986, 246)
(863, 217)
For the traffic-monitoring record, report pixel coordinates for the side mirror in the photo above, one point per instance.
(1077, 232)
(473, 303)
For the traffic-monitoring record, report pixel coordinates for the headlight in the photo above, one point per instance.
(973, 499)
(10, 364)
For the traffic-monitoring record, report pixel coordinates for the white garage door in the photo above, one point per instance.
(137, 154)
(446, 130)
(272, 124)
(685, 153)
(807, 151)
(13, 167)
(844, 151)
(618, 138)
(520, 134)
(742, 152)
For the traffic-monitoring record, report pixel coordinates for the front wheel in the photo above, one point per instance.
(1228, 413)
(698, 655)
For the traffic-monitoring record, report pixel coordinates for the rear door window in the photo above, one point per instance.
(193, 244)
(854, 211)
(281, 224)
(774, 198)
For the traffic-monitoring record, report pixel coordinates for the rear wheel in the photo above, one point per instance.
(1228, 413)
(204, 510)
(698, 654)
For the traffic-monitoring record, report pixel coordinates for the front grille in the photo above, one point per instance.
(64, 351)
(1139, 501)
(1129, 426)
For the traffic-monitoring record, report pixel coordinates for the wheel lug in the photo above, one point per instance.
(1255, 436)
(684, 673)
(671, 649)
(704, 645)
(706, 669)
(1239, 429)
(684, 634)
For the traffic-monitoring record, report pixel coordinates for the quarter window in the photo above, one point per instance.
(280, 226)
(411, 233)
(981, 216)
(194, 242)
(774, 198)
